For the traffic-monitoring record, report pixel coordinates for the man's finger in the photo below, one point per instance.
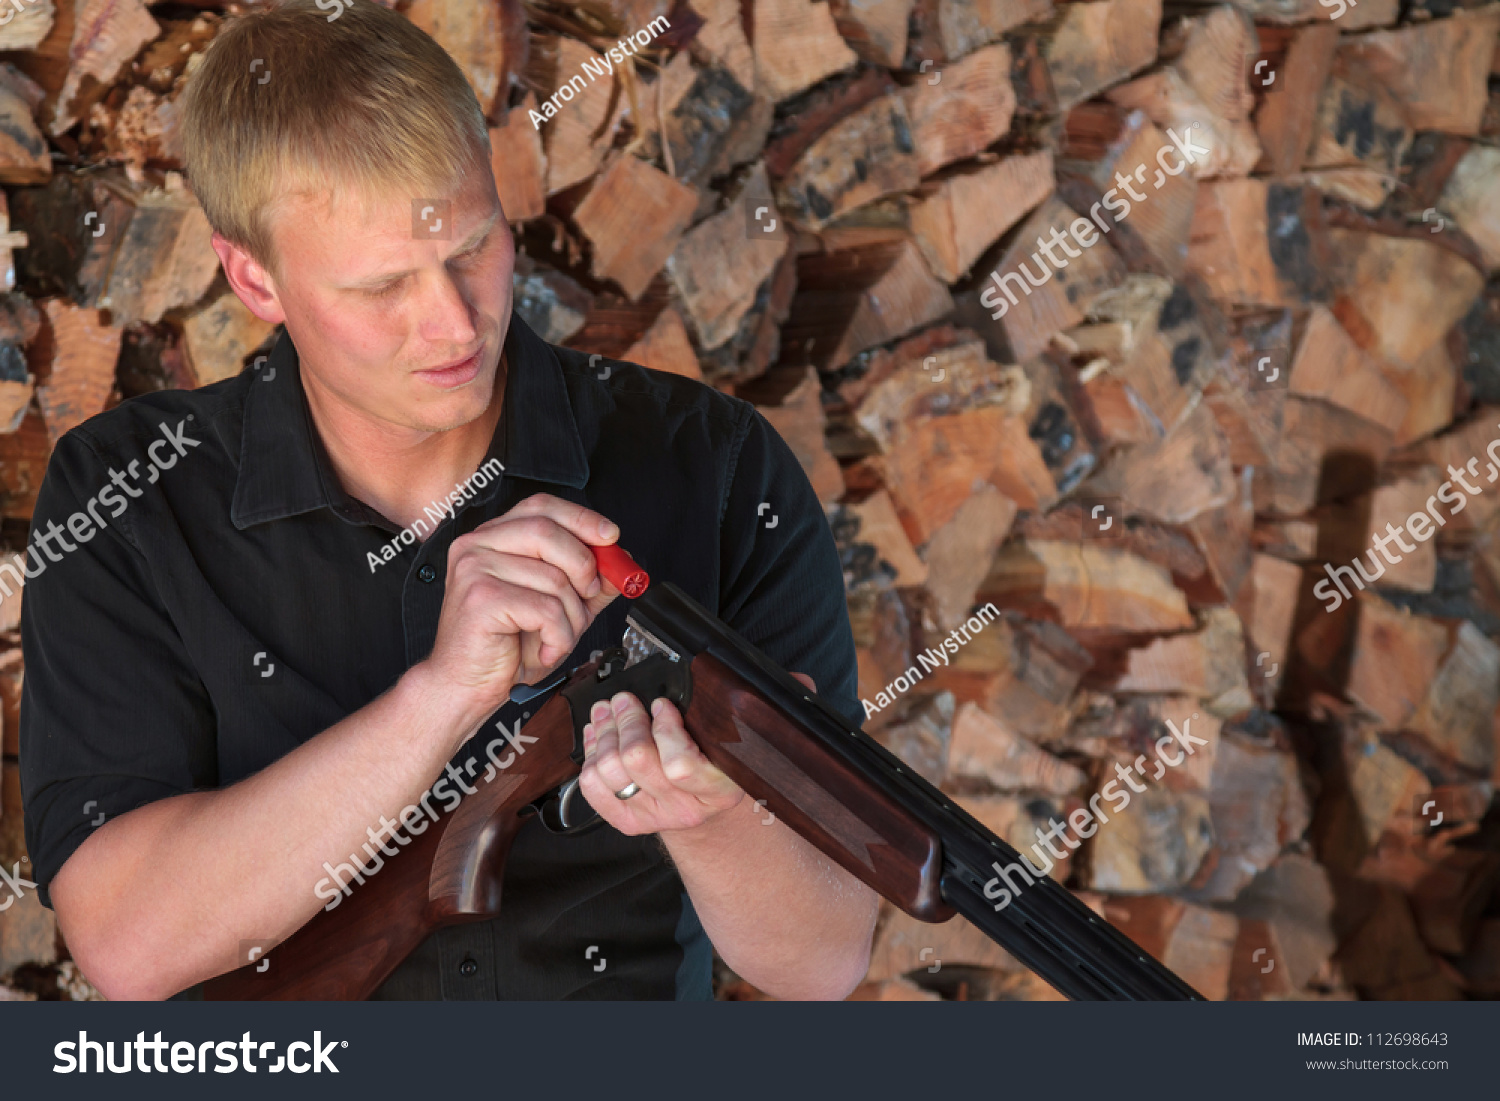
(682, 762)
(637, 747)
(538, 537)
(538, 576)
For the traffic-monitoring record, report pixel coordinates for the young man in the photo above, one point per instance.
(311, 597)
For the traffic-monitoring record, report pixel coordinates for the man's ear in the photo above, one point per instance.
(249, 280)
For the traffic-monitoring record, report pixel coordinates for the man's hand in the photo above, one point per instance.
(521, 590)
(680, 789)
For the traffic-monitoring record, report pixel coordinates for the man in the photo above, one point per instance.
(279, 642)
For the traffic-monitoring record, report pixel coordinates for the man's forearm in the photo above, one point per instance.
(784, 917)
(162, 897)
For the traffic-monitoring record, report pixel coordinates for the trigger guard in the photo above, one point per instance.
(560, 811)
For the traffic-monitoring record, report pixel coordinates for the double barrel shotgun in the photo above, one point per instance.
(833, 784)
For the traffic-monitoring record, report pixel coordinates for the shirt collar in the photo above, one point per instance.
(285, 471)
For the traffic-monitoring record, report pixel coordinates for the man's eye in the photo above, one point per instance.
(385, 291)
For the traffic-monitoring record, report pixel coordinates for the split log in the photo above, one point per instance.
(29, 26)
(163, 260)
(551, 303)
(24, 158)
(961, 215)
(1022, 672)
(1328, 364)
(1288, 912)
(875, 29)
(1396, 656)
(80, 349)
(959, 553)
(1175, 478)
(882, 646)
(1268, 607)
(577, 138)
(1472, 197)
(721, 263)
(1223, 537)
(1390, 508)
(984, 444)
(1130, 730)
(1257, 804)
(1286, 116)
(1437, 71)
(799, 420)
(665, 346)
(917, 729)
(986, 749)
(1086, 588)
(796, 45)
(1208, 664)
(1151, 844)
(872, 543)
(519, 164)
(866, 155)
(1196, 943)
(1228, 147)
(217, 336)
(1384, 957)
(12, 674)
(911, 384)
(1128, 335)
(1467, 458)
(1405, 329)
(1104, 144)
(1359, 123)
(1232, 249)
(105, 36)
(633, 217)
(23, 464)
(1456, 717)
(487, 39)
(946, 30)
(860, 297)
(1351, 17)
(965, 112)
(1086, 48)
(1053, 296)
(1325, 452)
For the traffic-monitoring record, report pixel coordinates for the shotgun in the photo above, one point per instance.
(837, 787)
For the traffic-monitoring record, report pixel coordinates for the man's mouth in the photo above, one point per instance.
(454, 374)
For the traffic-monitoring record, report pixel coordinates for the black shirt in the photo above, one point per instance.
(222, 607)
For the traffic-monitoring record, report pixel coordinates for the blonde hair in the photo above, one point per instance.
(365, 103)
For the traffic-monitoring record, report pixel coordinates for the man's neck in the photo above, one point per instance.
(399, 472)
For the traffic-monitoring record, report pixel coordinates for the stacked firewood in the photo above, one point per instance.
(1098, 328)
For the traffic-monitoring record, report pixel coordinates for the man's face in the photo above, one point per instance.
(395, 320)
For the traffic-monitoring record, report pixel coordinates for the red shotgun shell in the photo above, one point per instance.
(621, 571)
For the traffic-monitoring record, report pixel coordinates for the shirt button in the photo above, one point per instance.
(467, 968)
(427, 573)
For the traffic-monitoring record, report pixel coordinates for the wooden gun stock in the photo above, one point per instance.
(814, 792)
(449, 873)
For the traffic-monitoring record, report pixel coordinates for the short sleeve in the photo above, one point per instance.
(781, 585)
(113, 714)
